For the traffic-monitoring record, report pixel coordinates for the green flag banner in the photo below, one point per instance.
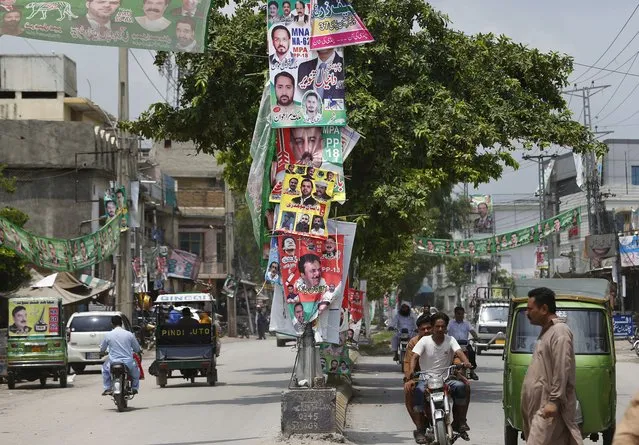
(162, 25)
(62, 254)
(501, 242)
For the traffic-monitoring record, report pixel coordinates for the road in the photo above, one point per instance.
(245, 406)
(377, 414)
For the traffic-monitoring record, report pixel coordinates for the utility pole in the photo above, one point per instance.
(124, 291)
(539, 159)
(229, 209)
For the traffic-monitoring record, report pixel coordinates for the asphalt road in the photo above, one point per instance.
(245, 406)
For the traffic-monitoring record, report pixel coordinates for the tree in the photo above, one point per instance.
(436, 107)
(13, 270)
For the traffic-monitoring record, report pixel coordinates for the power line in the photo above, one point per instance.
(147, 76)
(615, 91)
(609, 70)
(612, 43)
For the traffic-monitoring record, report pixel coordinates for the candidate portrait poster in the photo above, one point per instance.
(311, 271)
(161, 25)
(31, 317)
(335, 23)
(305, 202)
(307, 87)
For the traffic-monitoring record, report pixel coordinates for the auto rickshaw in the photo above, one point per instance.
(189, 352)
(586, 306)
(36, 344)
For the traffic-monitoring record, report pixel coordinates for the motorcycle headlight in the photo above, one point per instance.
(435, 383)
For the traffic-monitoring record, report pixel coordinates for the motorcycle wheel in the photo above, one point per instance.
(511, 435)
(11, 381)
(636, 347)
(608, 435)
(43, 382)
(120, 401)
(440, 432)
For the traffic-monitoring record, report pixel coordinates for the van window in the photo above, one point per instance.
(589, 331)
(96, 323)
(493, 314)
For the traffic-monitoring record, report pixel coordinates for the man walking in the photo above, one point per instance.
(548, 398)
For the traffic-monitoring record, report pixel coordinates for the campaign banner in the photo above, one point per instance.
(115, 202)
(500, 242)
(307, 87)
(305, 202)
(335, 359)
(272, 275)
(335, 23)
(601, 246)
(541, 262)
(183, 264)
(61, 254)
(311, 271)
(355, 304)
(160, 25)
(482, 213)
(318, 147)
(31, 317)
(629, 250)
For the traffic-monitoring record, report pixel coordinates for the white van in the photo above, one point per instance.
(85, 332)
(491, 325)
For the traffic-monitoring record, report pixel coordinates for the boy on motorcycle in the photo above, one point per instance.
(423, 328)
(435, 353)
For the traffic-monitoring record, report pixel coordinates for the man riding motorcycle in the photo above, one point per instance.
(121, 344)
(459, 329)
(423, 329)
(434, 354)
(405, 319)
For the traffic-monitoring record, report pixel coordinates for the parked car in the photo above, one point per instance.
(283, 338)
(85, 332)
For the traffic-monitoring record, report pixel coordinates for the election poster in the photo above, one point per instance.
(272, 275)
(183, 264)
(160, 25)
(115, 202)
(319, 147)
(307, 87)
(311, 271)
(355, 304)
(61, 254)
(305, 201)
(629, 250)
(335, 23)
(31, 317)
(500, 242)
(482, 213)
(335, 359)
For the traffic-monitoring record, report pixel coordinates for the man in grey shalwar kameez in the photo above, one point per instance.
(548, 398)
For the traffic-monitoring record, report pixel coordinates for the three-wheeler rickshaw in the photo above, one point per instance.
(184, 352)
(36, 343)
(585, 304)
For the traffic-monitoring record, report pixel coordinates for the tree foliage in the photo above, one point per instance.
(435, 106)
(13, 270)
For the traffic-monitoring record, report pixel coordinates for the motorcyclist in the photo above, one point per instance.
(404, 319)
(459, 329)
(434, 354)
(421, 422)
(121, 344)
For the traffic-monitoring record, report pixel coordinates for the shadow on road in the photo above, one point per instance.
(275, 397)
(269, 371)
(203, 442)
(387, 437)
(485, 392)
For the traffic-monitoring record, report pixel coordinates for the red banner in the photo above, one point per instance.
(355, 304)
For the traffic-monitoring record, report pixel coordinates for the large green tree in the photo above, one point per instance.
(436, 107)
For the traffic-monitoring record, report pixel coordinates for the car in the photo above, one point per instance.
(491, 325)
(85, 332)
(283, 338)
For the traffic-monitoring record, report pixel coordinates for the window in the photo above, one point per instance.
(635, 174)
(490, 314)
(589, 330)
(192, 242)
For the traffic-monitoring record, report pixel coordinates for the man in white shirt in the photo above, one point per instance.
(153, 19)
(185, 33)
(460, 329)
(434, 354)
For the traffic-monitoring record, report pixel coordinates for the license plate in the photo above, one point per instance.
(38, 348)
(93, 355)
(501, 341)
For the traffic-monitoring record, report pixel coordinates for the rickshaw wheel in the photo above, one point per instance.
(11, 381)
(210, 378)
(511, 435)
(63, 379)
(43, 382)
(608, 435)
(161, 379)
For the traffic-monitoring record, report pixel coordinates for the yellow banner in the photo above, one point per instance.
(34, 317)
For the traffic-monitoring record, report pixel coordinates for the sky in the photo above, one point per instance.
(581, 28)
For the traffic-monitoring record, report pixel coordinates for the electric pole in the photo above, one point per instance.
(231, 305)
(539, 159)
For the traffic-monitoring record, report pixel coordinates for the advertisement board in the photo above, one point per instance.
(34, 317)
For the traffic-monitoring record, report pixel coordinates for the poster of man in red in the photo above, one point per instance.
(355, 305)
(311, 275)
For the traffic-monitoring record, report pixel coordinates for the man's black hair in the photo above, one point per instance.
(459, 308)
(284, 74)
(17, 309)
(273, 3)
(285, 2)
(298, 304)
(439, 316)
(116, 320)
(275, 28)
(543, 295)
(307, 258)
(422, 319)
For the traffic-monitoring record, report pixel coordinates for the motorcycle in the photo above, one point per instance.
(404, 338)
(440, 404)
(243, 330)
(634, 341)
(121, 385)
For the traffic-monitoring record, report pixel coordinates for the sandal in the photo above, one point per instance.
(420, 437)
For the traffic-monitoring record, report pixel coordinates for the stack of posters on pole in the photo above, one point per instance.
(500, 242)
(162, 25)
(335, 360)
(62, 254)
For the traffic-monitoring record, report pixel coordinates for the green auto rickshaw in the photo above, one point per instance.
(36, 343)
(586, 305)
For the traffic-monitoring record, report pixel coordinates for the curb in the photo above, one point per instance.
(344, 393)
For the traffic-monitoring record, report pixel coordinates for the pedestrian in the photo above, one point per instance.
(628, 429)
(548, 397)
(262, 323)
